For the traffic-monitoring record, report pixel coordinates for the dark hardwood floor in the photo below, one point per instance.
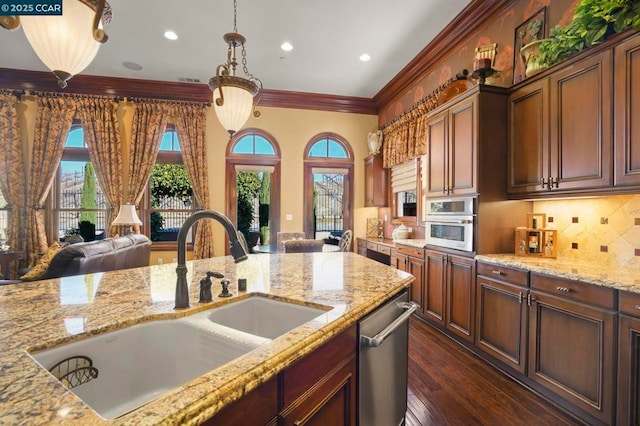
(448, 385)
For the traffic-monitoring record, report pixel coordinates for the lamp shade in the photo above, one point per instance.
(237, 106)
(127, 216)
(65, 44)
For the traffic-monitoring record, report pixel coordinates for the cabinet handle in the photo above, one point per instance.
(554, 182)
(543, 183)
(638, 307)
(520, 298)
(564, 289)
(496, 272)
(530, 299)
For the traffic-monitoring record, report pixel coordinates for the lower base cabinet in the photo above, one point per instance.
(411, 260)
(320, 389)
(629, 360)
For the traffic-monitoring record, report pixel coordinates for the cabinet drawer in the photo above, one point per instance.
(504, 273)
(362, 243)
(384, 250)
(576, 290)
(372, 246)
(629, 303)
(410, 251)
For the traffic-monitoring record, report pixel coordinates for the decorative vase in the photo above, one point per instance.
(400, 233)
(374, 142)
(530, 56)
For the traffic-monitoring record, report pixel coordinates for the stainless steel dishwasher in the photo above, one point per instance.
(383, 363)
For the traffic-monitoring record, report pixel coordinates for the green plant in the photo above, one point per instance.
(592, 22)
(88, 198)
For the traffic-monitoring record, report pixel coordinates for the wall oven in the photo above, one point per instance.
(450, 222)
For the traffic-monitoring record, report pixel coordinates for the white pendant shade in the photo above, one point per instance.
(238, 104)
(63, 43)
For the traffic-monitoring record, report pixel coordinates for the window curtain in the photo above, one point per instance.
(190, 121)
(149, 123)
(12, 179)
(54, 116)
(404, 139)
(102, 135)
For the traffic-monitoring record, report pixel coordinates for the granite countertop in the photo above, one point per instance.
(605, 275)
(392, 243)
(41, 315)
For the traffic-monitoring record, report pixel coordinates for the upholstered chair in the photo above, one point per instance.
(281, 237)
(303, 246)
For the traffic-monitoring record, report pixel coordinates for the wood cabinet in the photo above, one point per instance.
(629, 359)
(627, 113)
(376, 182)
(571, 343)
(411, 260)
(561, 130)
(501, 314)
(319, 389)
(377, 250)
(448, 295)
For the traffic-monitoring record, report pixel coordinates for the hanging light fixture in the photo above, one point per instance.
(65, 43)
(233, 95)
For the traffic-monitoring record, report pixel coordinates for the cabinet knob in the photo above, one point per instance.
(638, 307)
(564, 289)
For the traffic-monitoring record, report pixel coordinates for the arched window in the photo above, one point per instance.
(328, 186)
(252, 184)
(78, 201)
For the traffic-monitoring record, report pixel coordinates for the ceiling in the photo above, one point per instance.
(328, 37)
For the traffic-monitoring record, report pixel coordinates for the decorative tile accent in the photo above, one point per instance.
(604, 249)
(637, 252)
(604, 221)
(621, 235)
(574, 246)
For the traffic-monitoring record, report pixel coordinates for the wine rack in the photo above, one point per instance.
(535, 241)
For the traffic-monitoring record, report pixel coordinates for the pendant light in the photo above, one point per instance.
(65, 43)
(233, 95)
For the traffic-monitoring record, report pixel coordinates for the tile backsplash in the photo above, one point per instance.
(605, 229)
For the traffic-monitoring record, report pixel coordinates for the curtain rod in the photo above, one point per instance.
(460, 76)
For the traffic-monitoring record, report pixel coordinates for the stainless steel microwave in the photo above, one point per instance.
(450, 223)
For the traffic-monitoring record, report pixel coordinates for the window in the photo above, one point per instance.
(404, 188)
(328, 186)
(253, 181)
(170, 198)
(79, 203)
(4, 219)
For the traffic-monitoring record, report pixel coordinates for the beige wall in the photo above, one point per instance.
(292, 130)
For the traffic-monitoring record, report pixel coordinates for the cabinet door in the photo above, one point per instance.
(375, 177)
(627, 112)
(460, 307)
(580, 117)
(629, 371)
(433, 299)
(571, 353)
(261, 402)
(416, 268)
(435, 180)
(462, 148)
(529, 137)
(501, 322)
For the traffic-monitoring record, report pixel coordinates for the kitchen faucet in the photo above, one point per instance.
(237, 251)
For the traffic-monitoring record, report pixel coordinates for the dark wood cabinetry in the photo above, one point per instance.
(627, 112)
(376, 182)
(629, 359)
(561, 137)
(571, 343)
(501, 314)
(320, 389)
(448, 292)
(411, 260)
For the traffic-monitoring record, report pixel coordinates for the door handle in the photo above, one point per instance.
(375, 341)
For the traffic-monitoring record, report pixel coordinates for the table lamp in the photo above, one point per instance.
(127, 217)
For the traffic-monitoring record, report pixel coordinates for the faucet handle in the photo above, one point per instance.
(225, 289)
(215, 274)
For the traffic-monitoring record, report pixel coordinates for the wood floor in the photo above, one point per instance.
(448, 385)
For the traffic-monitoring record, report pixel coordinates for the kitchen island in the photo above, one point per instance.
(41, 315)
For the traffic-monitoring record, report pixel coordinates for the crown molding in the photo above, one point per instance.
(465, 24)
(318, 102)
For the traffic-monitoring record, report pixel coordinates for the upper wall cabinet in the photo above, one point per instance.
(465, 144)
(627, 112)
(376, 182)
(561, 130)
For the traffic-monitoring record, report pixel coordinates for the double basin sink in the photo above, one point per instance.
(117, 372)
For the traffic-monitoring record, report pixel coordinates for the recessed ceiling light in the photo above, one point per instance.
(132, 66)
(171, 35)
(286, 46)
(365, 57)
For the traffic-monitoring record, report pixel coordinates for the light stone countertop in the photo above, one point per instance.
(41, 315)
(605, 275)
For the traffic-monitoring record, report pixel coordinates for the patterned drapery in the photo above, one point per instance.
(99, 118)
(12, 179)
(404, 139)
(190, 120)
(149, 124)
(54, 116)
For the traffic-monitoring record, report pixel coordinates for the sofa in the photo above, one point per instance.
(129, 251)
